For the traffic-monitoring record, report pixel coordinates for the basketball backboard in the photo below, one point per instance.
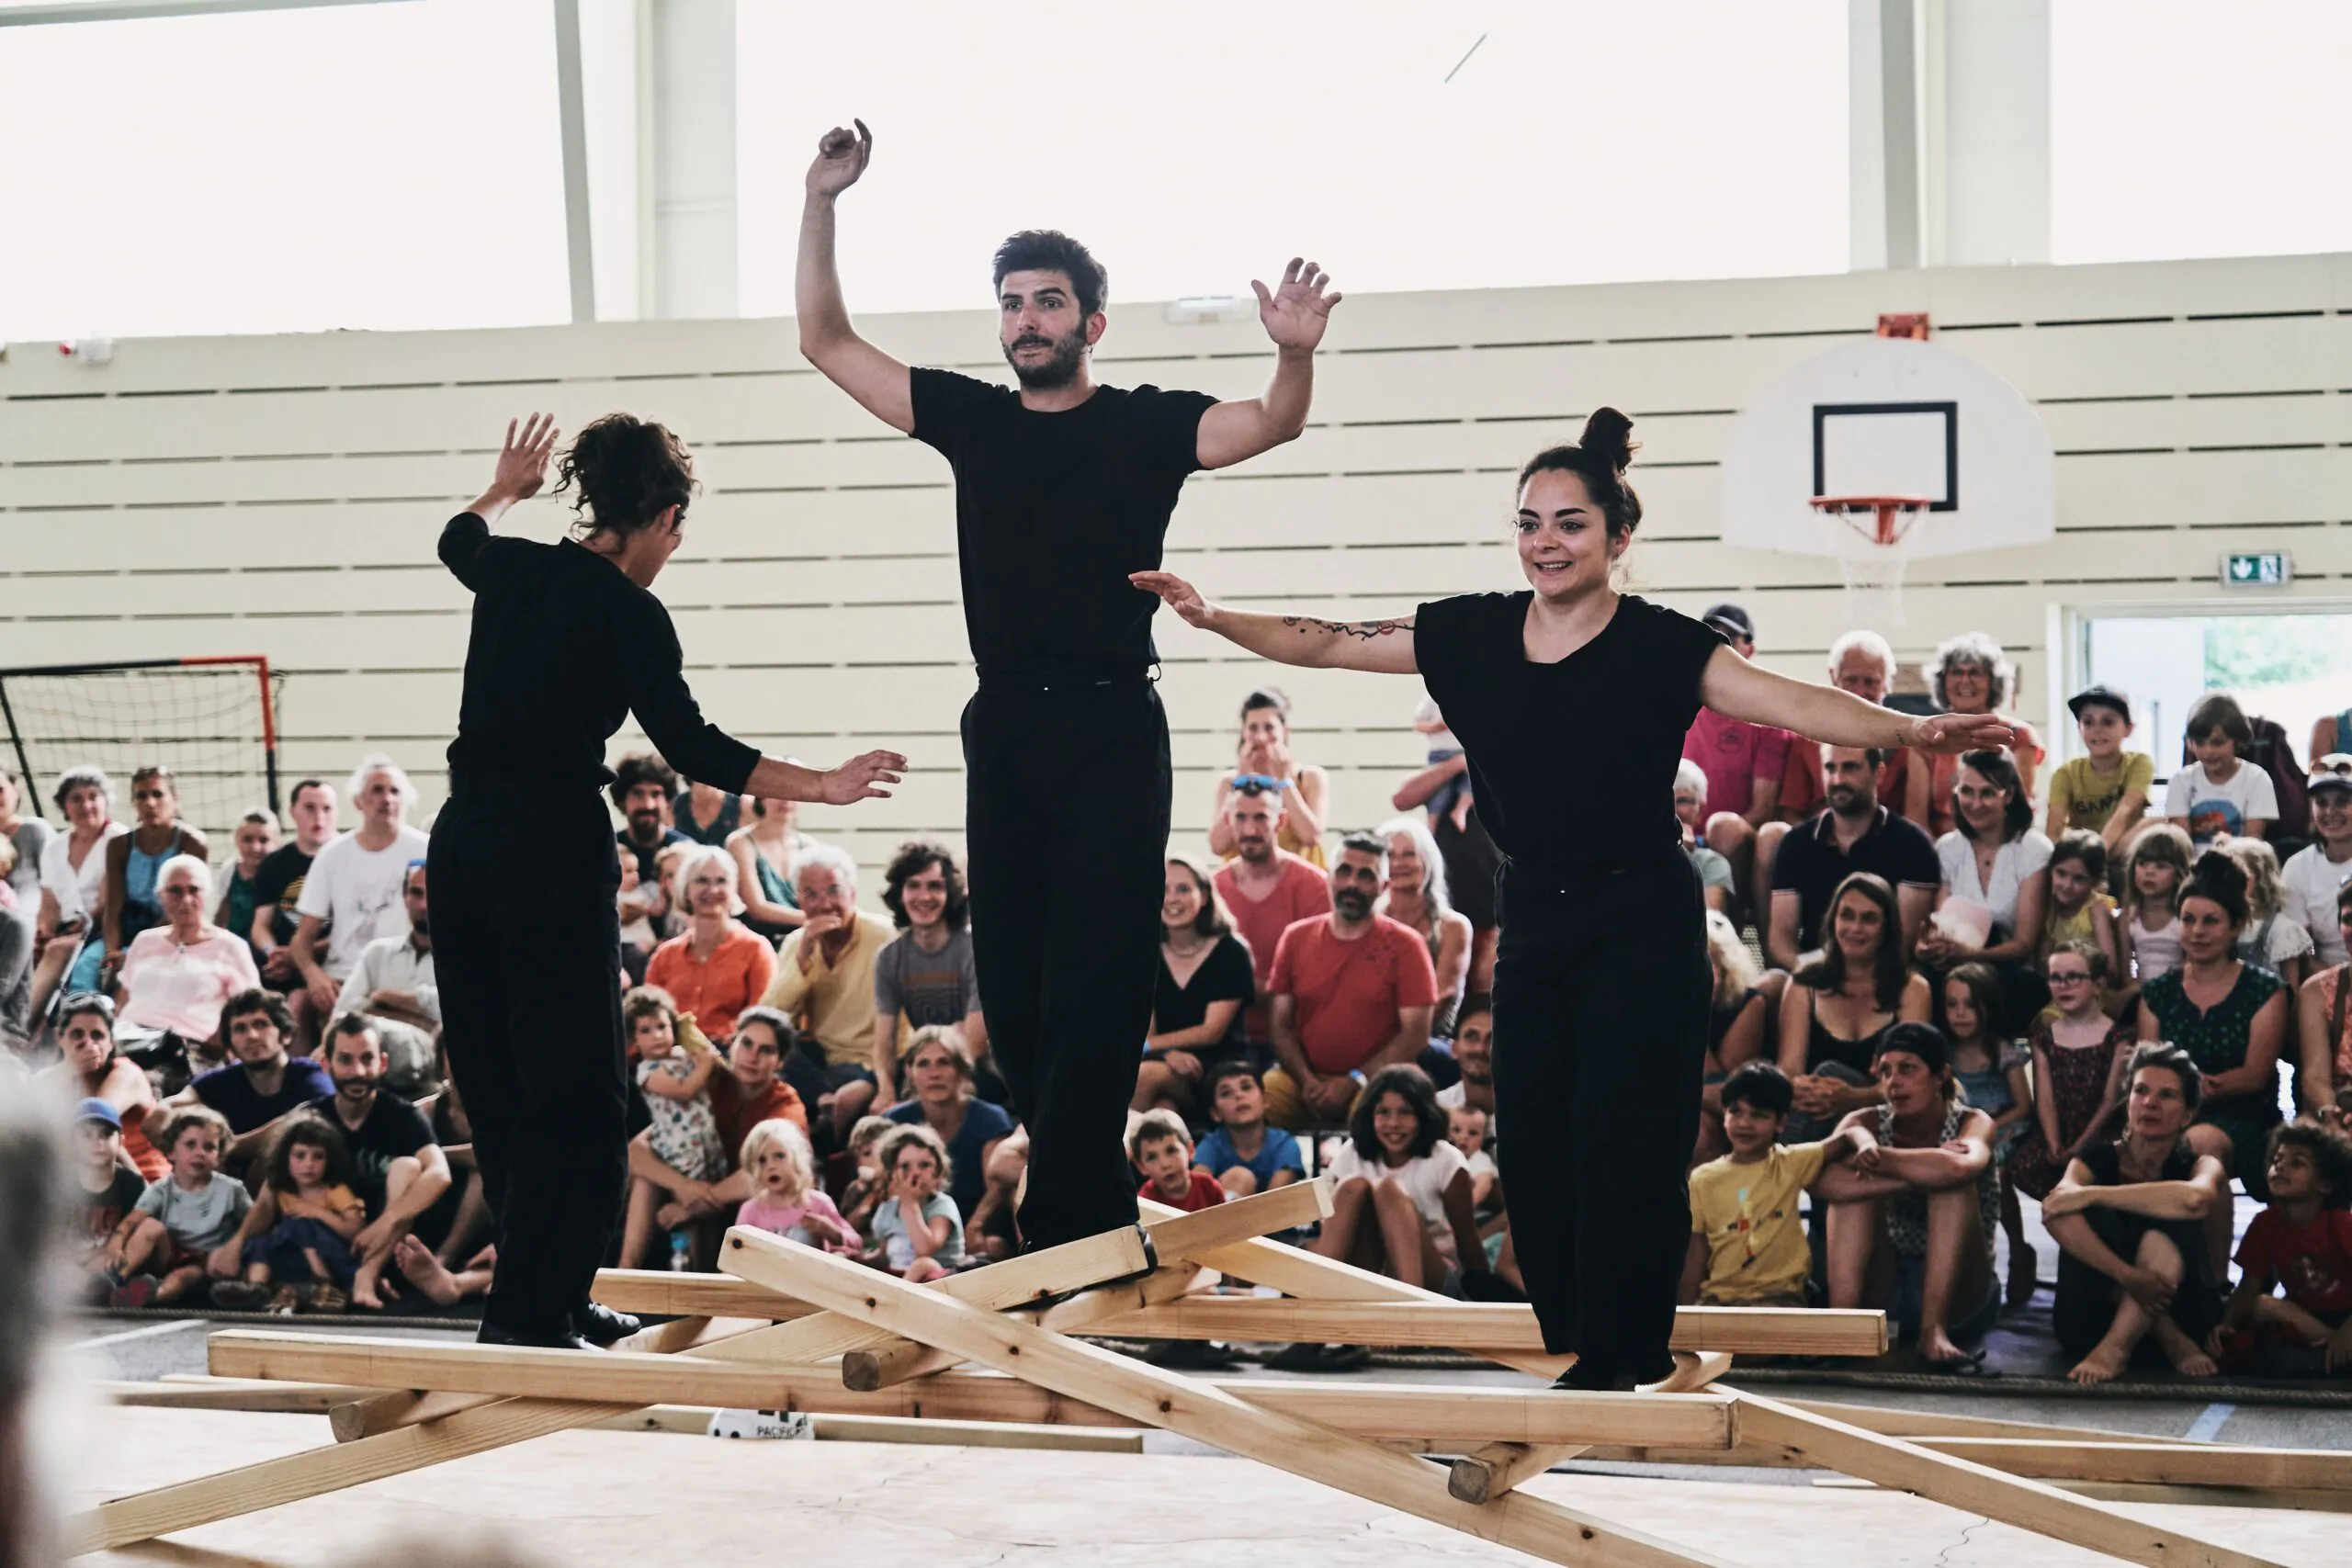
(1890, 417)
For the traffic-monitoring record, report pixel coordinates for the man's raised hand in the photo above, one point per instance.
(861, 778)
(1296, 311)
(523, 461)
(1177, 594)
(842, 156)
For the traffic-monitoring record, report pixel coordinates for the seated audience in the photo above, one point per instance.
(1856, 833)
(277, 893)
(94, 1068)
(706, 813)
(1739, 1017)
(2078, 1054)
(938, 1067)
(132, 902)
(2080, 910)
(2302, 1244)
(70, 946)
(392, 987)
(752, 1090)
(353, 894)
(104, 1193)
(641, 790)
(1691, 810)
(639, 937)
(2272, 938)
(916, 1233)
(184, 1230)
(786, 1200)
(863, 1185)
(2229, 1015)
(177, 976)
(1159, 1146)
(1990, 1067)
(2323, 1066)
(1747, 1244)
(257, 841)
(1416, 898)
(1862, 664)
(1465, 1129)
(2220, 792)
(304, 1222)
(1241, 1151)
(765, 849)
(1971, 675)
(1470, 862)
(2153, 876)
(675, 1062)
(1840, 1003)
(1452, 800)
(824, 979)
(458, 1268)
(260, 1086)
(400, 1171)
(18, 933)
(1350, 994)
(1264, 761)
(1266, 889)
(1205, 980)
(2317, 874)
(1994, 862)
(1474, 1054)
(925, 976)
(2130, 1218)
(1744, 762)
(1911, 1221)
(1400, 1199)
(717, 967)
(2105, 791)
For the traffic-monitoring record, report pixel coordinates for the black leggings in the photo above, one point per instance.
(1066, 821)
(1601, 994)
(526, 951)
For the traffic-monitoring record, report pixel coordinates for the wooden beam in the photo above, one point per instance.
(882, 1365)
(250, 1394)
(1479, 1328)
(1198, 1410)
(1979, 1489)
(1176, 1234)
(1891, 1422)
(663, 1293)
(2164, 1464)
(1488, 1471)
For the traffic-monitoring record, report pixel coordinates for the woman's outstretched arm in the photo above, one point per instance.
(1383, 646)
(1737, 689)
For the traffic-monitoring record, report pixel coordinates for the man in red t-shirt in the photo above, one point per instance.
(1267, 889)
(1743, 761)
(1350, 994)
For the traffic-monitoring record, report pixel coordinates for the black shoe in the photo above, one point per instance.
(1587, 1377)
(1302, 1357)
(559, 1337)
(601, 1326)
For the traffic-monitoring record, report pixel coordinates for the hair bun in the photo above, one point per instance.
(1605, 437)
(2215, 872)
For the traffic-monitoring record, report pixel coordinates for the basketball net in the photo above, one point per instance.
(1872, 536)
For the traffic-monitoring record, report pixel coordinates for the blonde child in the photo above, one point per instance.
(2080, 910)
(2273, 939)
(1465, 1129)
(917, 1234)
(863, 1192)
(675, 1062)
(184, 1225)
(1162, 1149)
(312, 1214)
(786, 1200)
(1991, 1067)
(2152, 881)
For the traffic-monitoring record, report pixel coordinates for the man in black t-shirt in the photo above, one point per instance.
(403, 1172)
(1855, 834)
(277, 884)
(261, 1088)
(1063, 488)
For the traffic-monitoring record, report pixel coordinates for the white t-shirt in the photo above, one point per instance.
(1424, 1180)
(78, 891)
(1439, 739)
(2016, 862)
(2312, 880)
(2216, 808)
(359, 890)
(2287, 941)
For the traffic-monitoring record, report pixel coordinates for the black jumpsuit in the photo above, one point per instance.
(525, 873)
(1602, 983)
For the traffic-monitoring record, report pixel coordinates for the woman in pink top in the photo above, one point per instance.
(177, 976)
(717, 966)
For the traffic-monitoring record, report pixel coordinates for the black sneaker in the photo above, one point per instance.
(559, 1337)
(1585, 1377)
(1299, 1357)
(601, 1326)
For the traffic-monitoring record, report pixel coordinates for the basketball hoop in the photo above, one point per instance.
(1872, 538)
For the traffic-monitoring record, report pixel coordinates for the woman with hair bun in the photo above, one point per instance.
(1601, 981)
(1264, 757)
(568, 640)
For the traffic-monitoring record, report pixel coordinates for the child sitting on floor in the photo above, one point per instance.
(1400, 1199)
(1162, 1150)
(1991, 1069)
(312, 1214)
(2302, 1242)
(863, 1188)
(183, 1223)
(917, 1234)
(1244, 1153)
(105, 1193)
(1465, 1129)
(786, 1200)
(1748, 1246)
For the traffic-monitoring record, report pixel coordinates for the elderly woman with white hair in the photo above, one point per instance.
(717, 965)
(1972, 676)
(1417, 899)
(176, 976)
(824, 978)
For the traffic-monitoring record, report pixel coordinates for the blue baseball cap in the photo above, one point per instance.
(97, 1110)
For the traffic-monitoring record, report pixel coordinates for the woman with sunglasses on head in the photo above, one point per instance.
(1601, 981)
(568, 640)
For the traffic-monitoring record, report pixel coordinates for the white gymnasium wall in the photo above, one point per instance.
(282, 495)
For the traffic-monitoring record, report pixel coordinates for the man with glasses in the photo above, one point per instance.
(392, 987)
(2313, 875)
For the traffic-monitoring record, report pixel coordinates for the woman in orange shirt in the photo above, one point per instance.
(1972, 676)
(717, 966)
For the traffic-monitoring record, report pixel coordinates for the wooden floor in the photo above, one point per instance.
(658, 1500)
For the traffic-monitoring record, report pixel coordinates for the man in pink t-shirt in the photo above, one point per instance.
(1743, 761)
(1266, 889)
(1351, 993)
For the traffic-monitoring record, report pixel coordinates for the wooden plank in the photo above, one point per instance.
(2165, 1464)
(354, 1419)
(1480, 1327)
(1888, 1421)
(882, 1365)
(1200, 1411)
(663, 1293)
(1490, 1470)
(1979, 1489)
(250, 1394)
(1244, 1219)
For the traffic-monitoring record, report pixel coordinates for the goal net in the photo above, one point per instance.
(212, 721)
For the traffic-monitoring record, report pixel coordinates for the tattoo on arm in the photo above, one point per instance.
(1365, 630)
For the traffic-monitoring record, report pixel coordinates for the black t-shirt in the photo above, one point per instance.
(1226, 975)
(393, 1129)
(277, 884)
(563, 649)
(102, 1211)
(232, 1093)
(1052, 511)
(1572, 764)
(1471, 862)
(1810, 865)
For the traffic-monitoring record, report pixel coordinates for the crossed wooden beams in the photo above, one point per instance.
(759, 1337)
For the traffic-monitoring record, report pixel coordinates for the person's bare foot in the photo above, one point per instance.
(1936, 1349)
(2102, 1365)
(422, 1269)
(2187, 1357)
(364, 1293)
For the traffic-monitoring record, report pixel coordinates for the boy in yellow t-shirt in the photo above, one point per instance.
(1748, 1247)
(2105, 791)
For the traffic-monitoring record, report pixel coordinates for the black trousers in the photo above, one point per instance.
(526, 950)
(1601, 991)
(1066, 820)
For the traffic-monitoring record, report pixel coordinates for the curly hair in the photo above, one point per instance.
(1050, 249)
(1981, 651)
(914, 857)
(625, 472)
(307, 1128)
(2331, 1152)
(261, 1001)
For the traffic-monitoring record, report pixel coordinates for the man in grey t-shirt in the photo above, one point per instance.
(925, 974)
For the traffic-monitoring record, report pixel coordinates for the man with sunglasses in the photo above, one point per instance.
(1266, 888)
(2314, 873)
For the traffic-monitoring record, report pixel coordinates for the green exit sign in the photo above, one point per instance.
(2257, 569)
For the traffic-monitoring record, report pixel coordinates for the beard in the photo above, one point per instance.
(1353, 904)
(1070, 354)
(1847, 801)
